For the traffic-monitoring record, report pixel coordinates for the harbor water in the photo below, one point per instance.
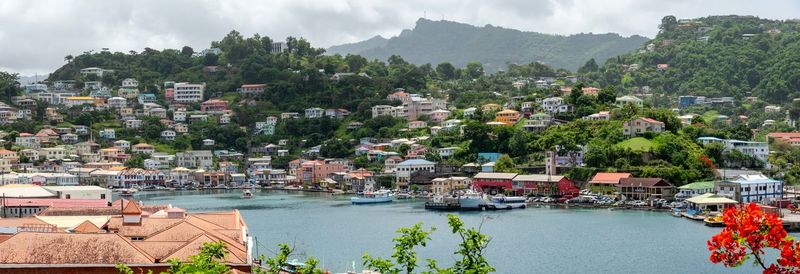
(532, 240)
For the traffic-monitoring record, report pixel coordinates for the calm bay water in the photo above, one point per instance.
(533, 240)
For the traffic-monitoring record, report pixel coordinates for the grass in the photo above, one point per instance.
(710, 116)
(639, 144)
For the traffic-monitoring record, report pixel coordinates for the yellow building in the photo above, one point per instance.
(508, 116)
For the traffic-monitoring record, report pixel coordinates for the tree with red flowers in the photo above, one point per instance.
(748, 232)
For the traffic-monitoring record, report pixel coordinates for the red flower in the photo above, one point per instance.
(748, 231)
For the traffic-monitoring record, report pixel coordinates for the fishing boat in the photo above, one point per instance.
(369, 197)
(246, 194)
(508, 202)
(714, 220)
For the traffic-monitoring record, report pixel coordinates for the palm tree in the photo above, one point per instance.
(68, 58)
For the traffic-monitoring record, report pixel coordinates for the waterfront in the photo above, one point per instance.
(534, 240)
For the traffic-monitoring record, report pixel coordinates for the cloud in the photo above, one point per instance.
(35, 35)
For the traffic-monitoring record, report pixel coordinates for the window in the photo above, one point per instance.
(67, 196)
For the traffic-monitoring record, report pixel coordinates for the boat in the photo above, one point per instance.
(676, 213)
(508, 202)
(694, 215)
(246, 194)
(127, 191)
(403, 196)
(369, 197)
(714, 220)
(472, 200)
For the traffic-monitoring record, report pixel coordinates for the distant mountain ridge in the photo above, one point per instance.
(458, 43)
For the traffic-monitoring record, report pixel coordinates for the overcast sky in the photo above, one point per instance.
(36, 35)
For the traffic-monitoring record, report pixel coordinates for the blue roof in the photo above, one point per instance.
(416, 162)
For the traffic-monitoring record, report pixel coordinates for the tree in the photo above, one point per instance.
(276, 265)
(187, 51)
(668, 23)
(137, 160)
(69, 58)
(749, 231)
(607, 95)
(589, 66)
(404, 255)
(504, 163)
(209, 260)
(446, 71)
(474, 70)
(471, 249)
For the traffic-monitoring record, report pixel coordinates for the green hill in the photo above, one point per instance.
(444, 41)
(713, 56)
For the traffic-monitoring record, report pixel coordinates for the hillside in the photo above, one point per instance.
(444, 41)
(714, 56)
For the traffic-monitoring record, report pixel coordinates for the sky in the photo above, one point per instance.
(36, 35)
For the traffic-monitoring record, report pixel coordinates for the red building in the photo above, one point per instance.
(544, 185)
(491, 182)
(214, 106)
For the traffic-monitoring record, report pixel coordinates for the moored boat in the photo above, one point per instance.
(472, 200)
(714, 220)
(247, 194)
(127, 191)
(508, 202)
(369, 197)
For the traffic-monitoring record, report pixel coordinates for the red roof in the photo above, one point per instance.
(652, 121)
(132, 209)
(609, 178)
(18, 202)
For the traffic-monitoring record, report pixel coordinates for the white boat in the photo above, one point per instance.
(127, 191)
(369, 197)
(246, 194)
(508, 202)
(471, 200)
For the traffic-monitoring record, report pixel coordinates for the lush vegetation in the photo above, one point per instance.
(713, 56)
(495, 47)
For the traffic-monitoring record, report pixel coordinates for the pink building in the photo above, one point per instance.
(312, 172)
(214, 106)
(169, 94)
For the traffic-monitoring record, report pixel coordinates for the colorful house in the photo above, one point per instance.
(606, 182)
(645, 188)
(544, 185)
(493, 183)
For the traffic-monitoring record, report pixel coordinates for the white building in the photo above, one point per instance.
(750, 188)
(108, 133)
(315, 113)
(168, 135)
(627, 99)
(123, 144)
(130, 83)
(759, 150)
(189, 93)
(408, 167)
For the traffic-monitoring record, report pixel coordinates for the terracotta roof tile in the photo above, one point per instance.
(64, 248)
(86, 227)
(608, 178)
(132, 208)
